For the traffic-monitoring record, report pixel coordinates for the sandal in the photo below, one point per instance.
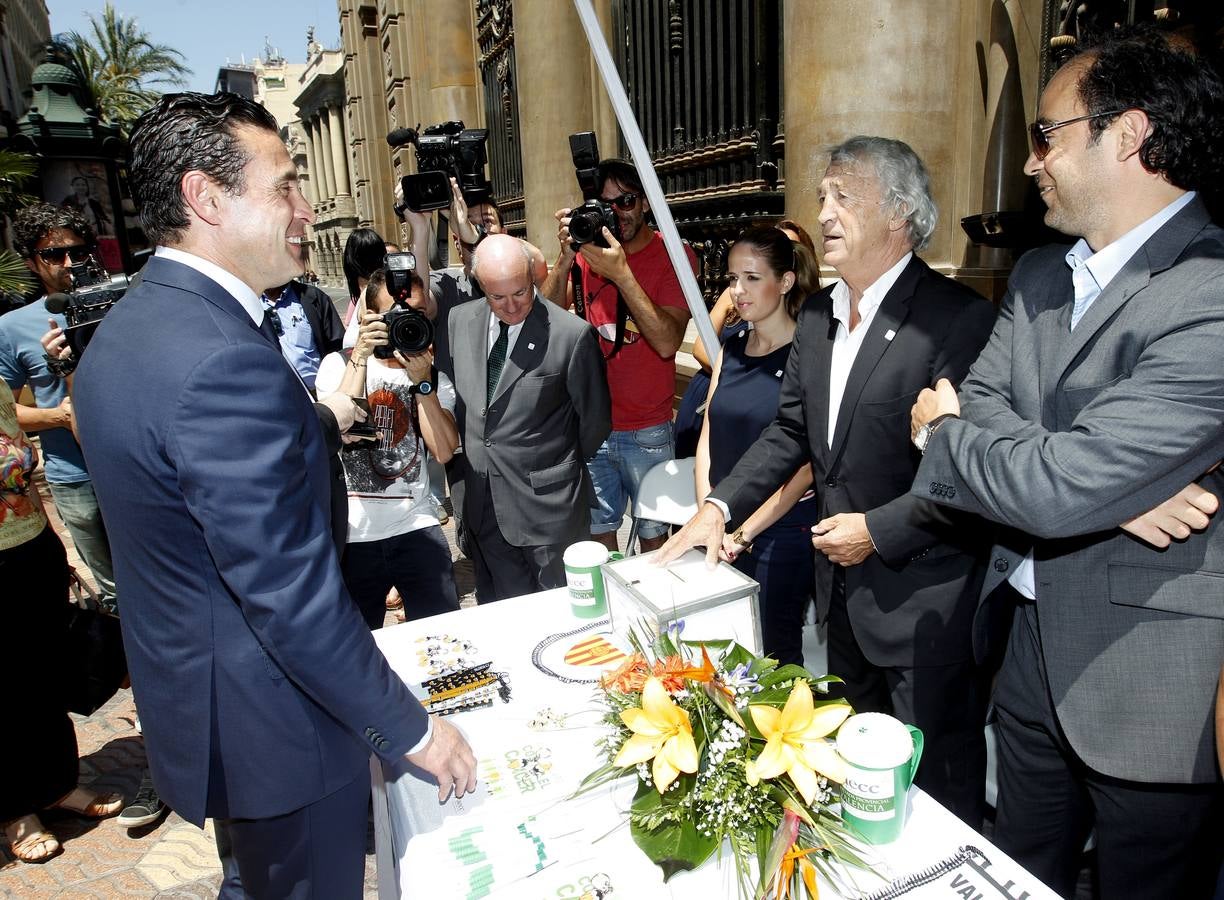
(85, 802)
(29, 841)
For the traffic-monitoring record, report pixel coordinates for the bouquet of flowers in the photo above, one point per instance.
(735, 751)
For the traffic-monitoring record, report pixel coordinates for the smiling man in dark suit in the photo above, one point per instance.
(533, 407)
(895, 578)
(1101, 393)
(261, 690)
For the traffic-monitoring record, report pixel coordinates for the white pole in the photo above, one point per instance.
(650, 181)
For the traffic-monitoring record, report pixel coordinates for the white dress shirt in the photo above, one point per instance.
(847, 343)
(511, 335)
(233, 285)
(1091, 273)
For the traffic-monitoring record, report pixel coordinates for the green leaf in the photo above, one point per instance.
(673, 847)
(786, 673)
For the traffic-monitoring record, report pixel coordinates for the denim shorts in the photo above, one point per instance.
(617, 469)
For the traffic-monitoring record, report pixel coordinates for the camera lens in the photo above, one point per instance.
(408, 331)
(585, 225)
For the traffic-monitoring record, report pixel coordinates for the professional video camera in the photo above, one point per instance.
(408, 330)
(443, 151)
(588, 220)
(93, 293)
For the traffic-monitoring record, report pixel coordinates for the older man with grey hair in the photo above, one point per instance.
(533, 407)
(896, 578)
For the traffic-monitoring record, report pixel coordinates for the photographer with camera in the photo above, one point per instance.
(631, 295)
(52, 239)
(394, 539)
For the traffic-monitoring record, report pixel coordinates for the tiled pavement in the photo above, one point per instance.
(170, 858)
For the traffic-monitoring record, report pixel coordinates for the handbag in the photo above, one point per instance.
(96, 664)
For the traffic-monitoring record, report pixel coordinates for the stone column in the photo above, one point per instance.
(339, 151)
(450, 62)
(312, 192)
(553, 60)
(318, 171)
(325, 151)
(911, 75)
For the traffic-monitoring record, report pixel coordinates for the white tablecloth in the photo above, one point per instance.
(520, 817)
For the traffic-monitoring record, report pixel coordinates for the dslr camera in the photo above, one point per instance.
(588, 220)
(442, 151)
(93, 293)
(408, 330)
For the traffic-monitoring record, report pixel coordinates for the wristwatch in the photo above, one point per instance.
(927, 431)
(738, 537)
(424, 388)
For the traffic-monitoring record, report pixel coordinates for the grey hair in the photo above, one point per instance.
(904, 181)
(522, 246)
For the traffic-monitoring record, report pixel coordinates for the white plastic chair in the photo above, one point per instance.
(667, 494)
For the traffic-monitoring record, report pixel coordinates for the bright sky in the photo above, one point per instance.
(211, 32)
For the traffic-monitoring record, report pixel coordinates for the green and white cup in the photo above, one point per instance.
(881, 755)
(584, 577)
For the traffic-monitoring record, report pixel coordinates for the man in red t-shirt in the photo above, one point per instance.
(641, 362)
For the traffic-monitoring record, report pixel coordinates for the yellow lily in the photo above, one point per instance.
(662, 731)
(795, 744)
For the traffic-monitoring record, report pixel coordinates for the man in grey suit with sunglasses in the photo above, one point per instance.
(1099, 395)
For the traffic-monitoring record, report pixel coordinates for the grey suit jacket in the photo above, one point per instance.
(549, 414)
(1067, 434)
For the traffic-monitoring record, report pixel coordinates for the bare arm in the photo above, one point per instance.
(438, 429)
(557, 287)
(701, 465)
(718, 317)
(661, 326)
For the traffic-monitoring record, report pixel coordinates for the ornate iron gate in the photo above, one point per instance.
(495, 35)
(704, 78)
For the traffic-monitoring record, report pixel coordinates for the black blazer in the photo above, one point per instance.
(325, 323)
(912, 602)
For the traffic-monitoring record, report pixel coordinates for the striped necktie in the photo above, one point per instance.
(497, 359)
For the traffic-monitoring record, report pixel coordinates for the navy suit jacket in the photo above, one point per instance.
(259, 686)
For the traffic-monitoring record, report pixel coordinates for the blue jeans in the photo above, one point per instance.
(78, 507)
(617, 470)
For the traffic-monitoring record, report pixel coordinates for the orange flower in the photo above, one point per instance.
(796, 856)
(630, 677)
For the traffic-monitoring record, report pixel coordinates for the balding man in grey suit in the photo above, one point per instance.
(1100, 394)
(532, 407)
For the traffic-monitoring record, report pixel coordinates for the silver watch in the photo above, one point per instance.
(927, 430)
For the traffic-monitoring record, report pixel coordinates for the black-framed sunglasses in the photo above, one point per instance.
(78, 253)
(1040, 134)
(625, 202)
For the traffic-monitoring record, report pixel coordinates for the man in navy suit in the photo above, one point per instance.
(262, 691)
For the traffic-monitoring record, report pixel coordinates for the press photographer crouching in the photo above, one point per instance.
(394, 539)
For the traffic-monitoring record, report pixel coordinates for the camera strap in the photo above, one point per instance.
(622, 309)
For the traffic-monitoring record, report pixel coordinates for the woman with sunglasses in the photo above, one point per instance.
(38, 765)
(726, 322)
(769, 277)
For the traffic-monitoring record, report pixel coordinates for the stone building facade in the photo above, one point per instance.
(25, 28)
(321, 140)
(738, 101)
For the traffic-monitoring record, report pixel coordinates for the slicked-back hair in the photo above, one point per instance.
(37, 221)
(1182, 95)
(905, 184)
(183, 133)
(783, 255)
(364, 252)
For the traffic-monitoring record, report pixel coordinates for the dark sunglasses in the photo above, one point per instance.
(78, 253)
(1040, 134)
(625, 202)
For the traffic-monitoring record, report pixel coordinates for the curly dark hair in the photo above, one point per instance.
(35, 222)
(181, 133)
(1182, 95)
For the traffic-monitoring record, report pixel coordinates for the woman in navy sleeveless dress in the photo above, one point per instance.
(769, 279)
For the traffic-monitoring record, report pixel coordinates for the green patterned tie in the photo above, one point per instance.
(497, 359)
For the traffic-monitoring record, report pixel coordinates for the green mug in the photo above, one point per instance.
(584, 578)
(881, 755)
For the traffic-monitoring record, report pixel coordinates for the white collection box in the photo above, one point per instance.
(714, 605)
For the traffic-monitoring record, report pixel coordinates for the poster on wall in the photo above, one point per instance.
(81, 184)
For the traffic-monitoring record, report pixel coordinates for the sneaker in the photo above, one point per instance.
(145, 808)
(441, 513)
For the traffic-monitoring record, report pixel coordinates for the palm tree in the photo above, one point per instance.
(15, 170)
(120, 67)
